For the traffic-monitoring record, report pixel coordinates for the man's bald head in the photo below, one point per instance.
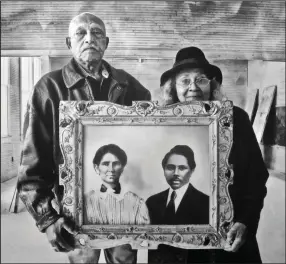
(85, 17)
(87, 40)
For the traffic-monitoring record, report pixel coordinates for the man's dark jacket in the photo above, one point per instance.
(193, 209)
(247, 193)
(41, 155)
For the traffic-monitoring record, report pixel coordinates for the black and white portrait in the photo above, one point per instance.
(145, 148)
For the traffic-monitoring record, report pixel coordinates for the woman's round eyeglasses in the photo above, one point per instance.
(200, 82)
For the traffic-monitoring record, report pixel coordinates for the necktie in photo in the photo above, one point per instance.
(170, 210)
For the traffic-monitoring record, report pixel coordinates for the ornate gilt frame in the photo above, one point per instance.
(218, 116)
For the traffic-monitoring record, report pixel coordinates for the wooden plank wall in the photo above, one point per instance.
(224, 30)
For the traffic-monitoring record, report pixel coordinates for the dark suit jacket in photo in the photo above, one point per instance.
(193, 209)
(247, 191)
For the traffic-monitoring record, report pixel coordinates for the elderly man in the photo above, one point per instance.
(86, 77)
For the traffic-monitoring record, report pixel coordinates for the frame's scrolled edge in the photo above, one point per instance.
(73, 115)
(140, 237)
(226, 174)
(77, 109)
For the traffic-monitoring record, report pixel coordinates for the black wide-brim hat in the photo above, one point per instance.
(192, 57)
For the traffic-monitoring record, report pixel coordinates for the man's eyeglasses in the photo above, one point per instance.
(200, 82)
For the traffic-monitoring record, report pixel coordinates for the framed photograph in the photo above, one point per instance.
(135, 147)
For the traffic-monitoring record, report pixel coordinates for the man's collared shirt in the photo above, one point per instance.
(99, 91)
(180, 193)
(85, 73)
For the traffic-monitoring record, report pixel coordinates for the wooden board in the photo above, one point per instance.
(263, 111)
(251, 104)
(280, 136)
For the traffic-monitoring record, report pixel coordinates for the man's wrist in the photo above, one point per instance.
(46, 220)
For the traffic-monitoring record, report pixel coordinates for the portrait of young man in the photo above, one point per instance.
(180, 204)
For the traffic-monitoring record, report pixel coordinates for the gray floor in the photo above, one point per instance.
(21, 242)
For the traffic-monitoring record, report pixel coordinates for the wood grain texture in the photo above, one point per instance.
(252, 104)
(274, 133)
(227, 30)
(280, 135)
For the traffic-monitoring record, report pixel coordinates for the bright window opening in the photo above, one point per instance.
(30, 74)
(5, 75)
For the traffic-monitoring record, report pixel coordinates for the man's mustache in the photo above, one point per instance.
(92, 47)
(176, 178)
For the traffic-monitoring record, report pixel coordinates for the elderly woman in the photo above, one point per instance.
(193, 78)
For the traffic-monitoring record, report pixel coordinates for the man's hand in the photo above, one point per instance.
(58, 235)
(236, 237)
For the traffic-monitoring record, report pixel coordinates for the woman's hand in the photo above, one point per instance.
(236, 237)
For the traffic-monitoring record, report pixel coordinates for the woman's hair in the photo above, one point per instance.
(183, 150)
(113, 149)
(169, 92)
